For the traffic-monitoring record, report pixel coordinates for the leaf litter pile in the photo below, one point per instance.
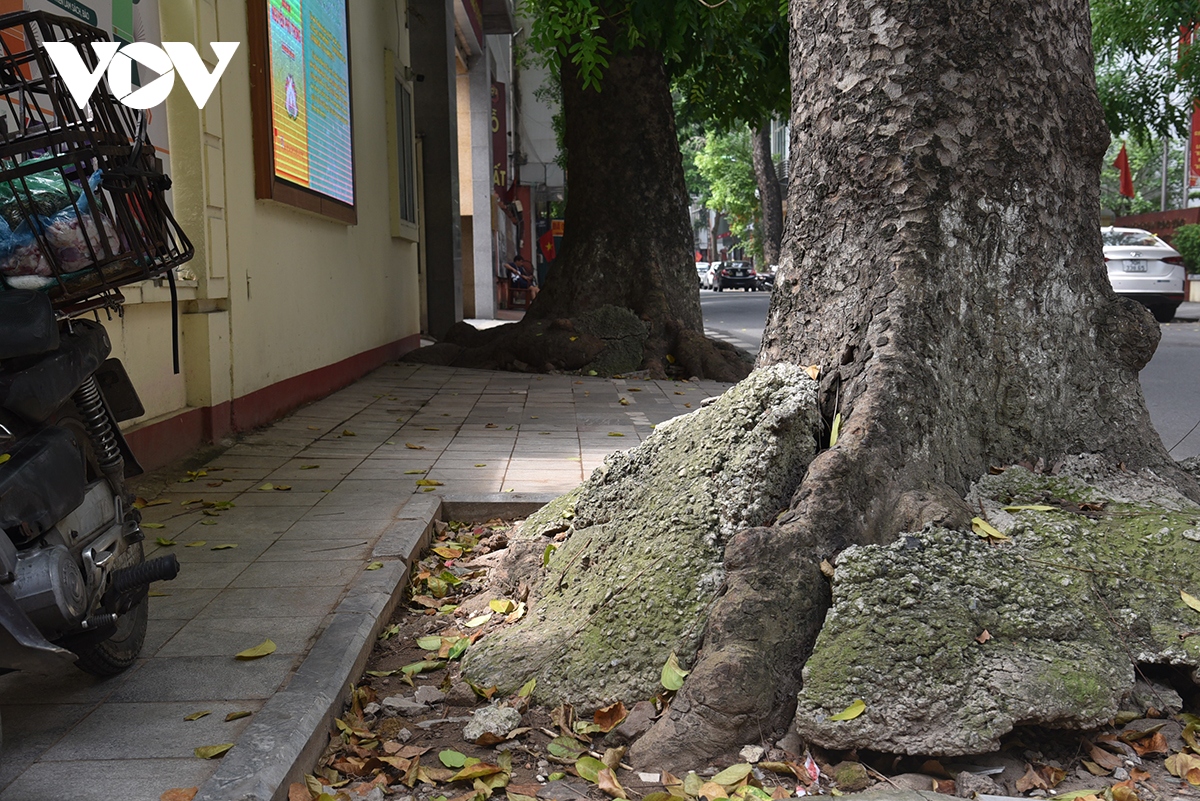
(416, 730)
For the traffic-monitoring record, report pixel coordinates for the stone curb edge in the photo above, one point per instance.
(290, 731)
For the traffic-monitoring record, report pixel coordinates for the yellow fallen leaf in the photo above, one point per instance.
(348, 433)
(1190, 600)
(245, 713)
(711, 791)
(415, 472)
(516, 614)
(478, 621)
(1037, 507)
(198, 715)
(432, 428)
(836, 431)
(856, 708)
(309, 466)
(257, 652)
(225, 546)
(428, 482)
(412, 447)
(813, 370)
(266, 487)
(196, 544)
(624, 401)
(153, 525)
(733, 774)
(4, 457)
(985, 529)
(283, 487)
(212, 751)
(502, 606)
(157, 502)
(374, 565)
(615, 434)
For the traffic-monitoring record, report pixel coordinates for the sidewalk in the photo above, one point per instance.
(350, 461)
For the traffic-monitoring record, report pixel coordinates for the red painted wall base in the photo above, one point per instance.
(166, 441)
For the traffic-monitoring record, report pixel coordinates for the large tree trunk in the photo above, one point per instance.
(943, 269)
(769, 195)
(626, 254)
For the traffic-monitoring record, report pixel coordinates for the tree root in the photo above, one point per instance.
(608, 341)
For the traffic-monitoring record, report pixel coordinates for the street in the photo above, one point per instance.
(1171, 382)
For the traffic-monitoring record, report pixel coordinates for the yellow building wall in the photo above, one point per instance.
(276, 292)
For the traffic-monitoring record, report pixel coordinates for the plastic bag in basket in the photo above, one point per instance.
(43, 193)
(20, 255)
(69, 233)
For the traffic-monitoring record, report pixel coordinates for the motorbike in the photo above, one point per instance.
(82, 213)
(72, 567)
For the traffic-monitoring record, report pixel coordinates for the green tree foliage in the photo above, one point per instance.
(728, 59)
(1186, 240)
(1145, 78)
(691, 143)
(726, 165)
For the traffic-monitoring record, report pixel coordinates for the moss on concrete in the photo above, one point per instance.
(1070, 603)
(638, 549)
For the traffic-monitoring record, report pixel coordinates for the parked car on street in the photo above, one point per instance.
(701, 271)
(766, 278)
(1143, 267)
(734, 275)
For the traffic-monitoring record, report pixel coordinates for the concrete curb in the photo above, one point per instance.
(291, 730)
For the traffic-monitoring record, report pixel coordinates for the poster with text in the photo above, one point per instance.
(310, 96)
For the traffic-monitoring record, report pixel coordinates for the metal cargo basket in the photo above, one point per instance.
(82, 211)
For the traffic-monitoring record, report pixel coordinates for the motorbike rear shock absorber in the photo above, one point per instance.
(99, 427)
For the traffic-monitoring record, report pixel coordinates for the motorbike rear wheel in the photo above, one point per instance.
(117, 653)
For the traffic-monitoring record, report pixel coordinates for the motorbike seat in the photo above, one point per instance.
(27, 324)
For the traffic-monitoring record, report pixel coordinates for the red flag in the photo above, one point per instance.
(546, 243)
(1122, 164)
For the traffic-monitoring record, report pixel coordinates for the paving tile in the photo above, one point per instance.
(179, 604)
(205, 678)
(292, 550)
(335, 529)
(34, 728)
(66, 686)
(210, 635)
(158, 632)
(149, 731)
(126, 779)
(293, 600)
(307, 573)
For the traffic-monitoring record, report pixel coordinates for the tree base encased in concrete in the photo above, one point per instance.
(1071, 605)
(640, 551)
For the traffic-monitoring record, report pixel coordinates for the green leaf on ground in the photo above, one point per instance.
(458, 649)
(245, 713)
(478, 620)
(566, 747)
(527, 689)
(589, 768)
(421, 667)
(615, 434)
(1036, 507)
(836, 431)
(856, 708)
(262, 649)
(212, 751)
(428, 482)
(153, 525)
(452, 759)
(672, 674)
(309, 466)
(163, 541)
(198, 715)
(430, 642)
(225, 546)
(546, 554)
(196, 544)
(502, 606)
(374, 566)
(733, 774)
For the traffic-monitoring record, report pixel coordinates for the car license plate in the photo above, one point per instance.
(1132, 266)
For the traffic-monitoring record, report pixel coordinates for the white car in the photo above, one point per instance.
(701, 272)
(1143, 267)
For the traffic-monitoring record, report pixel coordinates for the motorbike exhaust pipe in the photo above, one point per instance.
(164, 568)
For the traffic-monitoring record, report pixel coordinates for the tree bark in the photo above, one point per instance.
(628, 238)
(626, 253)
(942, 268)
(769, 194)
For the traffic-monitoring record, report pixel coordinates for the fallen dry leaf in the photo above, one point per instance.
(1103, 758)
(264, 648)
(188, 793)
(983, 637)
(212, 751)
(609, 717)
